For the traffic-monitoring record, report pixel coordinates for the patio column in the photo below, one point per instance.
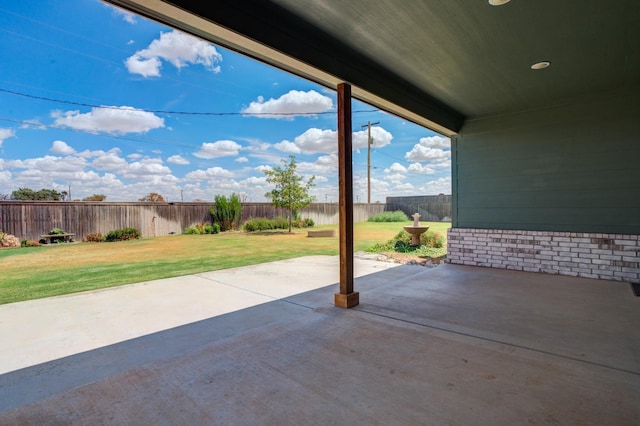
(346, 298)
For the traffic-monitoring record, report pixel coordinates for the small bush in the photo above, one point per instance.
(29, 243)
(432, 239)
(202, 228)
(212, 228)
(192, 230)
(278, 222)
(122, 235)
(57, 231)
(303, 223)
(93, 238)
(396, 216)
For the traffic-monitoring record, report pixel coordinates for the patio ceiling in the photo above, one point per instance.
(434, 62)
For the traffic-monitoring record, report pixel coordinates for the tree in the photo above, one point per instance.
(28, 194)
(290, 191)
(95, 197)
(153, 197)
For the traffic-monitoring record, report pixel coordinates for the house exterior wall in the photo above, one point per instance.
(588, 255)
(568, 176)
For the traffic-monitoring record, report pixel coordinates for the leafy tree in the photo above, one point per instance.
(5, 196)
(153, 197)
(226, 212)
(95, 197)
(290, 191)
(28, 194)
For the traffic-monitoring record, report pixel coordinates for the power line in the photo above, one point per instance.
(158, 111)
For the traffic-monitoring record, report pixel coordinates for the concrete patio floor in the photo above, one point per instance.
(449, 345)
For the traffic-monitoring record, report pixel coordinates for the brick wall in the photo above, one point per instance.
(589, 255)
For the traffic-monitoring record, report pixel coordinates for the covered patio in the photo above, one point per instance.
(541, 101)
(448, 345)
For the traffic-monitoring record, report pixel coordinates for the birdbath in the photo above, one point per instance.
(416, 230)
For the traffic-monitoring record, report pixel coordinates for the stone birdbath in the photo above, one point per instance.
(416, 230)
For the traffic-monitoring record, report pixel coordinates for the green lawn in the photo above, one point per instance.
(32, 273)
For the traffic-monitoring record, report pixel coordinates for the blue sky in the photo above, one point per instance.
(117, 119)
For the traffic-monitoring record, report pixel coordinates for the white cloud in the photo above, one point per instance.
(33, 124)
(263, 168)
(178, 159)
(423, 153)
(286, 146)
(61, 147)
(379, 138)
(403, 187)
(316, 140)
(209, 174)
(396, 177)
(396, 168)
(98, 153)
(430, 149)
(289, 105)
(147, 169)
(325, 164)
(419, 168)
(5, 177)
(218, 149)
(436, 142)
(113, 120)
(241, 160)
(177, 48)
(438, 186)
(256, 181)
(51, 164)
(126, 16)
(6, 134)
(110, 161)
(145, 67)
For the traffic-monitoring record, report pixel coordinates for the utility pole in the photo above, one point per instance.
(369, 142)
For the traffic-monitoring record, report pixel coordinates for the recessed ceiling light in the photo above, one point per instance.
(540, 65)
(498, 2)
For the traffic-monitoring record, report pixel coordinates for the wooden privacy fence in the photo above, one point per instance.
(29, 220)
(432, 208)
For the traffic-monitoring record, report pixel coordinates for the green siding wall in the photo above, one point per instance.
(573, 168)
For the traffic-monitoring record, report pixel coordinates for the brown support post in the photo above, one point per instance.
(346, 298)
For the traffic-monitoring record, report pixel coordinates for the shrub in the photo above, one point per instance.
(192, 230)
(93, 238)
(396, 216)
(258, 224)
(29, 243)
(212, 228)
(122, 235)
(8, 240)
(431, 245)
(303, 223)
(202, 228)
(57, 231)
(226, 212)
(432, 239)
(278, 222)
